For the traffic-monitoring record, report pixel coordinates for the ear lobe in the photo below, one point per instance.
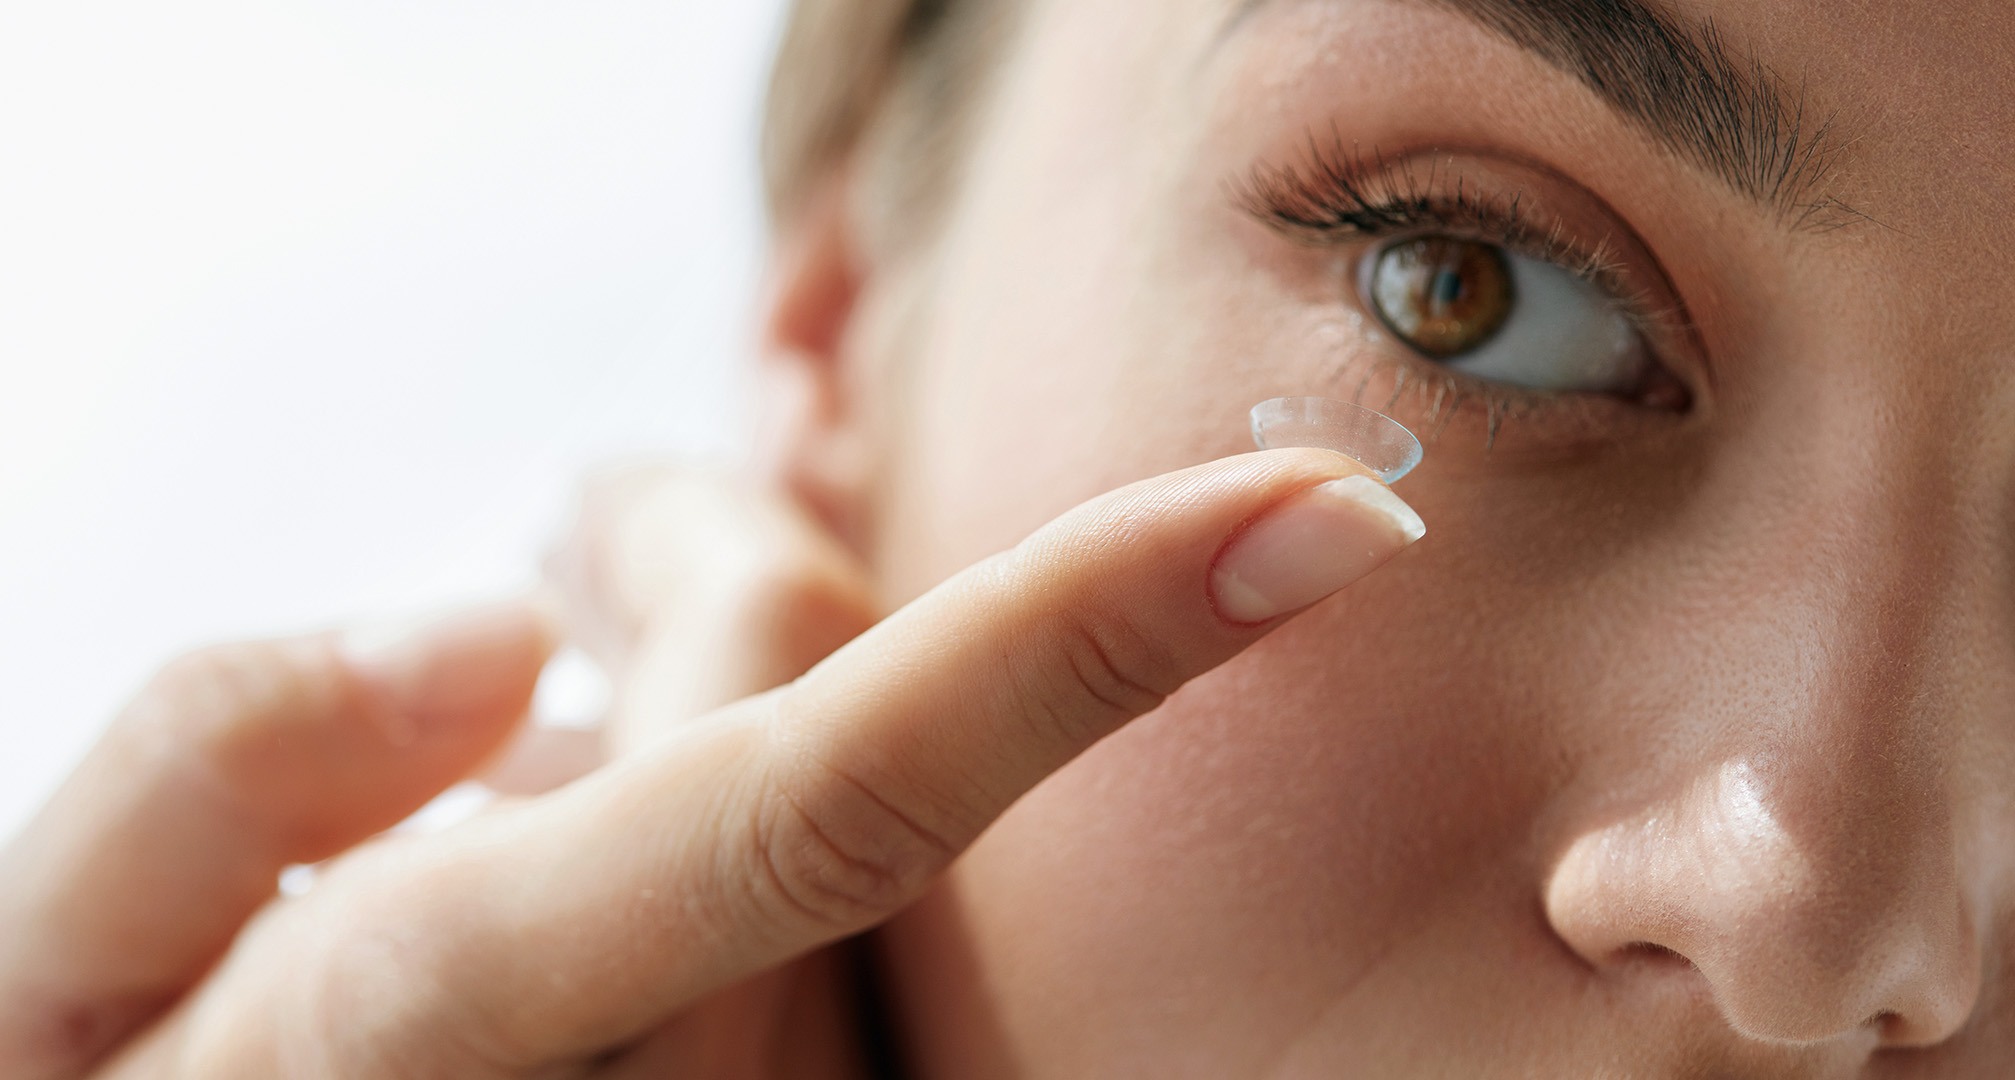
(812, 438)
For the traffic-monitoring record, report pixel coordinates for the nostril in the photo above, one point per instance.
(1650, 952)
(1805, 911)
(1893, 1028)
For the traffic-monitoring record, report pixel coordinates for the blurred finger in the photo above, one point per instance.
(695, 588)
(233, 763)
(541, 759)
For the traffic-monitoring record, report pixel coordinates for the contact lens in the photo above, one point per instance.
(1371, 438)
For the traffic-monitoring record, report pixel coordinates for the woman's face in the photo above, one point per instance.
(1682, 744)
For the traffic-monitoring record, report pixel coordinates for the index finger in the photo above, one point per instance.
(784, 823)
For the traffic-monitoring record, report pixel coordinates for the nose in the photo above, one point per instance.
(1810, 827)
(1817, 894)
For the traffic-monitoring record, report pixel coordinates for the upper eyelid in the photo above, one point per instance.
(1359, 197)
(1339, 192)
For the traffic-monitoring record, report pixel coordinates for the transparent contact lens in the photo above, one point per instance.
(1373, 439)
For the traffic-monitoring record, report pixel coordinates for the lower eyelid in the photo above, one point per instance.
(1471, 418)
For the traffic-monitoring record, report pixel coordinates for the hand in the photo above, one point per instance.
(694, 590)
(553, 936)
(232, 764)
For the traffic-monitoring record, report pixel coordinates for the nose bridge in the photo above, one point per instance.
(1864, 608)
(1859, 566)
(1832, 815)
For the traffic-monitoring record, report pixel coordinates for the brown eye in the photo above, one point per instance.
(1442, 295)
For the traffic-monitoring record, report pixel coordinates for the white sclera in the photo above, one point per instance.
(1373, 439)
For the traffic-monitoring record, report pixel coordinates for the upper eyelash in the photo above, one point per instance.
(1341, 192)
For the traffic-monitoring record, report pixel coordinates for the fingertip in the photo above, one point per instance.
(440, 675)
(1309, 546)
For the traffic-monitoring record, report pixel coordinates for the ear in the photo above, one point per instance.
(814, 433)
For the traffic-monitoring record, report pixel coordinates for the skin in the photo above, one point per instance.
(1674, 748)
(1677, 747)
(666, 912)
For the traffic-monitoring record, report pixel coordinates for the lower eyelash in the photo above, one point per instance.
(1427, 396)
(1451, 391)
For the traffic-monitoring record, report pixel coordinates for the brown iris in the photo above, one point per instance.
(1444, 296)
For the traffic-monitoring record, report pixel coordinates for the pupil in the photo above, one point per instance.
(1442, 295)
(1447, 289)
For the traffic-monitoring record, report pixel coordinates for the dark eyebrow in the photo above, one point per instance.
(1735, 119)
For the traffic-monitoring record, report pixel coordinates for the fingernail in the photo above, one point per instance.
(1310, 546)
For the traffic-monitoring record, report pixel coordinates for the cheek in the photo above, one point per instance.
(1042, 383)
(1239, 863)
(1059, 360)
(1306, 829)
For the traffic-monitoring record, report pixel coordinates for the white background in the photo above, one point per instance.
(311, 310)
